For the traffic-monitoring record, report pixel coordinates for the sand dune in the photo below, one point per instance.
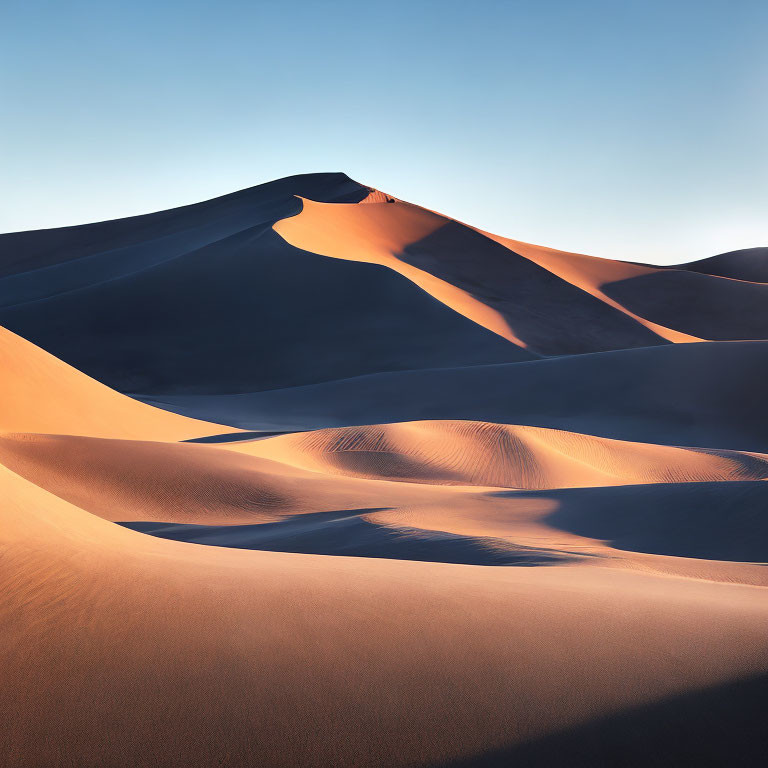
(162, 303)
(277, 641)
(749, 264)
(548, 301)
(187, 484)
(468, 272)
(590, 274)
(395, 492)
(39, 393)
(415, 290)
(479, 453)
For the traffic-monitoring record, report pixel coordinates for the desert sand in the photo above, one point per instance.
(310, 476)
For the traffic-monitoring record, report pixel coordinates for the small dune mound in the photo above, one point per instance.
(511, 456)
(185, 482)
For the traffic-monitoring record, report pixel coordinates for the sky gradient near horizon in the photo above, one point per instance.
(633, 130)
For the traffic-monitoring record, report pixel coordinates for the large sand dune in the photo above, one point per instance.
(307, 475)
(186, 309)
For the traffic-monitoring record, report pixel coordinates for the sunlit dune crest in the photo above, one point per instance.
(377, 234)
(471, 278)
(590, 273)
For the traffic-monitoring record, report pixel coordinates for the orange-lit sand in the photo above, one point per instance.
(590, 273)
(377, 233)
(172, 483)
(225, 656)
(421, 245)
(476, 453)
(39, 393)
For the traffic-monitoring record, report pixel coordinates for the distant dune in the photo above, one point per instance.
(750, 264)
(682, 394)
(307, 475)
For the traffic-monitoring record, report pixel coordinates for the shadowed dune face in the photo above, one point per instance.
(734, 308)
(683, 394)
(712, 521)
(467, 271)
(198, 280)
(589, 274)
(548, 301)
(432, 546)
(163, 303)
(379, 233)
(245, 301)
(726, 717)
(27, 252)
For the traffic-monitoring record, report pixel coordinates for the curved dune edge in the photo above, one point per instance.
(499, 455)
(40, 393)
(589, 273)
(190, 484)
(274, 637)
(375, 233)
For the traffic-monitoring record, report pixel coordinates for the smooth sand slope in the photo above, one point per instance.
(122, 649)
(549, 301)
(467, 271)
(692, 302)
(701, 395)
(39, 393)
(590, 274)
(749, 264)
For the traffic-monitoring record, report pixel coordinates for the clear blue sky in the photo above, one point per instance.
(637, 130)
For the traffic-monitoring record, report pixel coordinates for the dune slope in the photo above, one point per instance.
(39, 393)
(480, 453)
(415, 290)
(468, 271)
(241, 310)
(103, 626)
